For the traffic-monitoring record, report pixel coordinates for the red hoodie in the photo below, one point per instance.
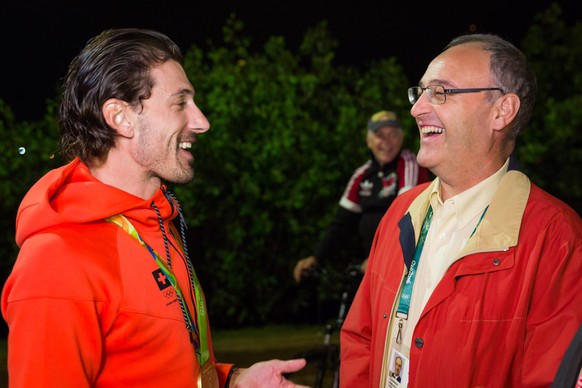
(83, 303)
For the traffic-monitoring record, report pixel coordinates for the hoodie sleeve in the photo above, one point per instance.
(54, 325)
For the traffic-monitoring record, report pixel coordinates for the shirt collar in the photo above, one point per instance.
(470, 202)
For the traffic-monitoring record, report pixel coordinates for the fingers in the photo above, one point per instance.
(297, 272)
(269, 373)
(290, 366)
(363, 266)
(302, 268)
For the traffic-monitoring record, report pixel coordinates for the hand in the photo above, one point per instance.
(303, 266)
(267, 374)
(363, 266)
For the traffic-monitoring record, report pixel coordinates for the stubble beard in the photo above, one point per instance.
(164, 164)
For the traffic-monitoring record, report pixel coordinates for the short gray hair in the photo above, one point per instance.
(510, 71)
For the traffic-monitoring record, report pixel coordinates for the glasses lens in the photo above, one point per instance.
(437, 94)
(414, 94)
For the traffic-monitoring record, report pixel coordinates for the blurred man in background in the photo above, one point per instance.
(371, 189)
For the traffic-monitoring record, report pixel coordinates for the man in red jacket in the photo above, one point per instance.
(473, 279)
(103, 293)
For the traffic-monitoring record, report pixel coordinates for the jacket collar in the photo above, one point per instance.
(500, 226)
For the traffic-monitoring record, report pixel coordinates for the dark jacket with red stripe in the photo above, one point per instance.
(370, 191)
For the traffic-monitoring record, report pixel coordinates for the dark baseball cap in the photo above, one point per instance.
(384, 118)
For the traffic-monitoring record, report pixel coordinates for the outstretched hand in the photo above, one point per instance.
(268, 374)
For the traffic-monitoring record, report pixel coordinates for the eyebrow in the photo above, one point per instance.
(437, 82)
(183, 92)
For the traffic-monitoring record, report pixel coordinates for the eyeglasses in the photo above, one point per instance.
(437, 94)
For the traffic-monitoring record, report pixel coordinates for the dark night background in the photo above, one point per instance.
(38, 41)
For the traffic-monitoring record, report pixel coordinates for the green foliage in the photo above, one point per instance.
(27, 151)
(287, 131)
(551, 148)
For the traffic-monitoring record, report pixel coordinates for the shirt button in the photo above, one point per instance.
(419, 342)
(385, 315)
(496, 261)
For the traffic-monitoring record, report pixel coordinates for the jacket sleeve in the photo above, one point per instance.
(223, 371)
(356, 336)
(44, 350)
(555, 312)
(355, 339)
(410, 174)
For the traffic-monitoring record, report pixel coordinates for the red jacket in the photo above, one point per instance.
(82, 303)
(503, 314)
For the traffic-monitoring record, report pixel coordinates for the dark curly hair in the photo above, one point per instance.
(114, 64)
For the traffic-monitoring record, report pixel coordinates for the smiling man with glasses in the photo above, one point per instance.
(473, 279)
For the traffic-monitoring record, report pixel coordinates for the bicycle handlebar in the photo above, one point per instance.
(352, 271)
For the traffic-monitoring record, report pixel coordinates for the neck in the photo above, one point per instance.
(456, 184)
(125, 176)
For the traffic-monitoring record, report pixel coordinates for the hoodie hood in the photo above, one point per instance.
(71, 195)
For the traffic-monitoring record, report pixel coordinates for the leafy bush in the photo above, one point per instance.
(287, 130)
(551, 148)
(27, 151)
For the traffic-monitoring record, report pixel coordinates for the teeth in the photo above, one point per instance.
(185, 145)
(427, 130)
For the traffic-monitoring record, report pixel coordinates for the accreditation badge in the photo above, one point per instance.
(396, 356)
(208, 377)
(398, 370)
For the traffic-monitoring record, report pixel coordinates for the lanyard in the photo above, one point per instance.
(408, 282)
(200, 338)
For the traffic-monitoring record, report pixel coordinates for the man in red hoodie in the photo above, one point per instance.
(103, 293)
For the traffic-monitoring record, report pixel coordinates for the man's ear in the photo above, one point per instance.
(506, 109)
(369, 138)
(117, 115)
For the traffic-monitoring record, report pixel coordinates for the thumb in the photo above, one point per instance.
(292, 365)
